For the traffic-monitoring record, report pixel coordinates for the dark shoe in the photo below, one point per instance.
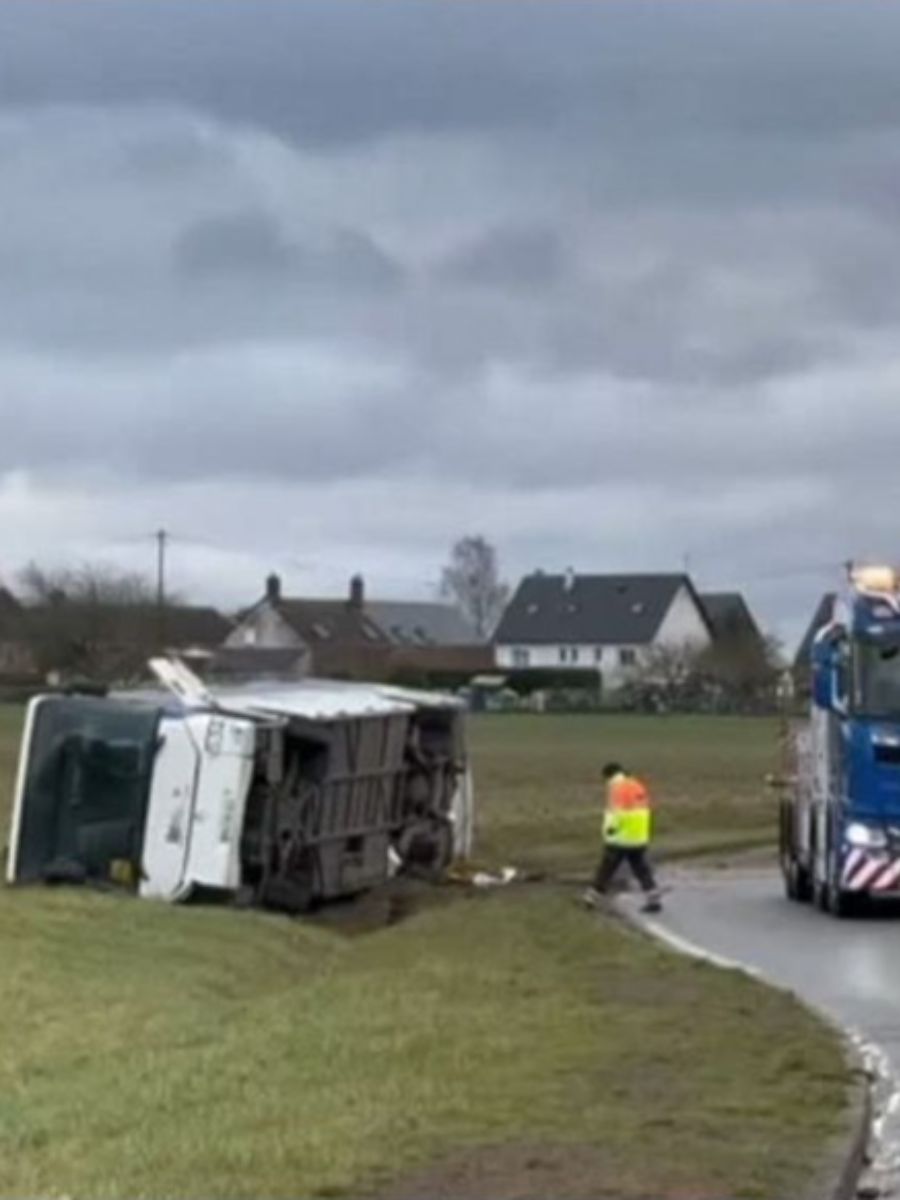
(652, 904)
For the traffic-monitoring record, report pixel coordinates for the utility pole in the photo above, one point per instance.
(162, 539)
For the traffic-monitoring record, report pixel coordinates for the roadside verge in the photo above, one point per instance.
(848, 1154)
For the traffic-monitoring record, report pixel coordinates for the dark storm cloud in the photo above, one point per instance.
(613, 281)
(508, 258)
(353, 69)
(250, 244)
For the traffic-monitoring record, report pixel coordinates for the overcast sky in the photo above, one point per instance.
(321, 286)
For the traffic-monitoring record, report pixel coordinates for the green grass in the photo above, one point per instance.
(540, 793)
(197, 1053)
(190, 1053)
(10, 724)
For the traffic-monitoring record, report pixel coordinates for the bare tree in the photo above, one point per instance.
(673, 672)
(92, 620)
(746, 669)
(90, 583)
(472, 580)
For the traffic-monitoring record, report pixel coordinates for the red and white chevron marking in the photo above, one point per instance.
(868, 872)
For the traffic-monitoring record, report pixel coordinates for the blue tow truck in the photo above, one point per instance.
(840, 808)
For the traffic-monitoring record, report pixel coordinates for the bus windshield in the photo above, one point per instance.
(877, 679)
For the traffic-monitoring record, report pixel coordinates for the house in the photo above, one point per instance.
(606, 624)
(185, 628)
(357, 637)
(420, 623)
(235, 664)
(730, 619)
(742, 667)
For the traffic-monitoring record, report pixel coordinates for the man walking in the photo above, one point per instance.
(626, 836)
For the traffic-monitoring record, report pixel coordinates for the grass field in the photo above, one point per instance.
(10, 724)
(539, 789)
(540, 793)
(193, 1053)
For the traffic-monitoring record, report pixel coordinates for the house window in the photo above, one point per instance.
(598, 654)
(573, 655)
(249, 637)
(520, 657)
(627, 657)
(563, 654)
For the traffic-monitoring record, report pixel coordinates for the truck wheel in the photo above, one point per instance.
(796, 881)
(821, 890)
(832, 898)
(804, 885)
(841, 903)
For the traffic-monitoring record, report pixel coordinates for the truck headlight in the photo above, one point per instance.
(858, 834)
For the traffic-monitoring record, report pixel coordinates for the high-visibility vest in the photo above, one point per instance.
(627, 818)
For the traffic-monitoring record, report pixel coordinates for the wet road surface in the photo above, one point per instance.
(849, 968)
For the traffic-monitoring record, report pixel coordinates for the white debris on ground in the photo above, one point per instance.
(466, 873)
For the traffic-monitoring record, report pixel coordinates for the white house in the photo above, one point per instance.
(599, 623)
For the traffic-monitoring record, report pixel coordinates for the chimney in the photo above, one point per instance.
(273, 588)
(357, 592)
(569, 581)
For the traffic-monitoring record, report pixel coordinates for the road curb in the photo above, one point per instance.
(847, 1156)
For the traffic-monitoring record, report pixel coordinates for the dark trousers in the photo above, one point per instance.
(614, 856)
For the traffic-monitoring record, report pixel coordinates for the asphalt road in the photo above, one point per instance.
(849, 969)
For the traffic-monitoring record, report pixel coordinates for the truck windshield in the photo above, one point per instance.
(877, 679)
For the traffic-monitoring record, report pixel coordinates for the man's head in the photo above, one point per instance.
(611, 770)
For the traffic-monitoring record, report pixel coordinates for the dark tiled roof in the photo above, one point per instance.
(186, 625)
(410, 623)
(821, 618)
(319, 622)
(596, 609)
(729, 617)
(249, 661)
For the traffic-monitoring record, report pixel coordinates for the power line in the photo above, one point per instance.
(162, 538)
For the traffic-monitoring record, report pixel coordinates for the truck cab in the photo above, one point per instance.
(840, 822)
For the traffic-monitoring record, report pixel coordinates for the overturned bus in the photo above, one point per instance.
(278, 794)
